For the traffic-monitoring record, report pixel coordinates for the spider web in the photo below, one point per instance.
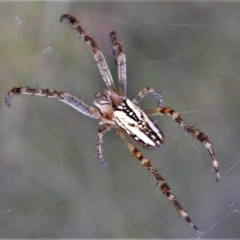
(52, 185)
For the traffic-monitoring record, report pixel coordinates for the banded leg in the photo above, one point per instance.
(158, 178)
(144, 92)
(101, 131)
(120, 61)
(74, 102)
(193, 131)
(98, 55)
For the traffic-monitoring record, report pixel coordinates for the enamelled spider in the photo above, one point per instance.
(114, 110)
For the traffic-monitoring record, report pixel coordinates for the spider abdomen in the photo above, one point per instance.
(137, 124)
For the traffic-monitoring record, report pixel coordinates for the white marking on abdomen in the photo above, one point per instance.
(136, 123)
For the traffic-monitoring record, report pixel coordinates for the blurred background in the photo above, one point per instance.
(53, 186)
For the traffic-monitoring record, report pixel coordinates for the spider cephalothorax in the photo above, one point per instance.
(114, 110)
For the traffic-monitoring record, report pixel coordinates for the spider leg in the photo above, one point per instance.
(158, 178)
(101, 131)
(144, 92)
(120, 61)
(74, 102)
(193, 131)
(98, 55)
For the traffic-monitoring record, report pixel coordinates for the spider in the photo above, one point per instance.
(114, 110)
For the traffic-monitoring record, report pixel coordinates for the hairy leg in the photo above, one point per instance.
(98, 55)
(193, 131)
(101, 131)
(72, 101)
(144, 92)
(120, 61)
(158, 178)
